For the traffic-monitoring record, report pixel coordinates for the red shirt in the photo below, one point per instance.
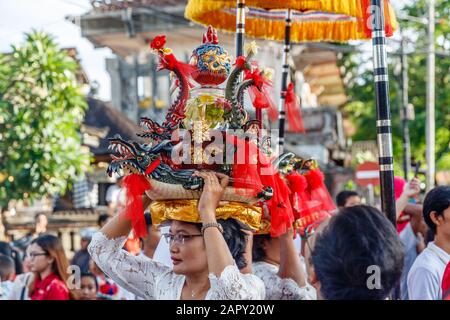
(50, 288)
(446, 284)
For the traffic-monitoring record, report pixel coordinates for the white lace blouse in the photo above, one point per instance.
(281, 288)
(152, 280)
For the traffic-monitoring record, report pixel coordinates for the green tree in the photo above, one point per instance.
(41, 110)
(361, 108)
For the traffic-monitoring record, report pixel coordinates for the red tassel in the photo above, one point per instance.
(245, 173)
(135, 186)
(281, 214)
(318, 190)
(300, 198)
(273, 112)
(256, 171)
(293, 111)
(261, 93)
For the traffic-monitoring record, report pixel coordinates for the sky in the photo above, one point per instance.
(20, 16)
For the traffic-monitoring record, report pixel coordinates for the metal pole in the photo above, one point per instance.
(240, 27)
(430, 117)
(384, 130)
(404, 113)
(136, 83)
(284, 78)
(371, 194)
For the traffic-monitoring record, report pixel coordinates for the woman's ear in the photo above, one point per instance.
(435, 218)
(50, 260)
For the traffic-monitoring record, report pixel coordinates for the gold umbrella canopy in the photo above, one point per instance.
(312, 20)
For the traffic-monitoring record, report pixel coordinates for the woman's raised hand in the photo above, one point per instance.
(213, 190)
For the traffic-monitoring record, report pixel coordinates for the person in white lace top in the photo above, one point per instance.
(203, 266)
(277, 263)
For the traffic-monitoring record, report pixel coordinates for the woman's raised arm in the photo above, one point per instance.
(134, 273)
(119, 225)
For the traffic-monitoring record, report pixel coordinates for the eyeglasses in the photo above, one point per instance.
(179, 238)
(33, 255)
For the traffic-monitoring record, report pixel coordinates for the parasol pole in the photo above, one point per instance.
(430, 106)
(240, 38)
(404, 112)
(284, 78)
(240, 27)
(384, 130)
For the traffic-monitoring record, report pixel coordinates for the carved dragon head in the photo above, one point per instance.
(153, 130)
(129, 157)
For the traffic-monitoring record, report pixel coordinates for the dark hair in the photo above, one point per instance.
(355, 239)
(148, 219)
(37, 215)
(235, 239)
(437, 200)
(6, 266)
(429, 236)
(5, 248)
(258, 252)
(102, 218)
(90, 275)
(14, 253)
(341, 198)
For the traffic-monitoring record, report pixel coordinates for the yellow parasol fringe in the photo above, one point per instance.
(348, 7)
(211, 13)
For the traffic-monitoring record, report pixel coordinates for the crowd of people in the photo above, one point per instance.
(355, 254)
